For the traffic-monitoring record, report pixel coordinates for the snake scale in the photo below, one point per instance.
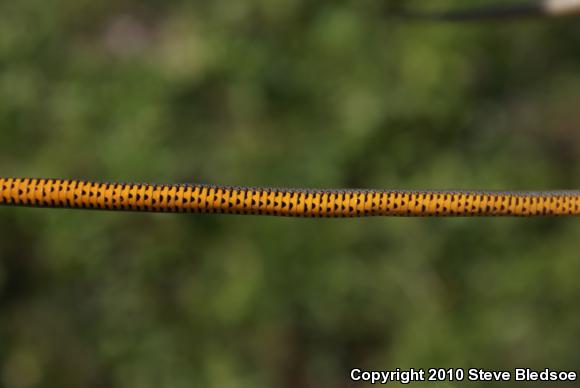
(198, 198)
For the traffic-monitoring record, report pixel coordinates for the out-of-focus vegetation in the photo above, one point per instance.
(282, 93)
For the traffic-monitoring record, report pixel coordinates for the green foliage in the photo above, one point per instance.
(289, 93)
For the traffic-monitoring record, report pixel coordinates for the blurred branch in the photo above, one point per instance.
(546, 8)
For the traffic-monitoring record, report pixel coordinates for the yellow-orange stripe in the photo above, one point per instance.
(58, 193)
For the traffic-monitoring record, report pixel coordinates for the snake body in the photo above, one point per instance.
(199, 198)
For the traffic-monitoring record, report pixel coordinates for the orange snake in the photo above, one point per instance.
(197, 198)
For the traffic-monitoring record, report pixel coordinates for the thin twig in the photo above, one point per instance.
(546, 8)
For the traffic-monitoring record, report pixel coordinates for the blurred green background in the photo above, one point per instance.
(287, 93)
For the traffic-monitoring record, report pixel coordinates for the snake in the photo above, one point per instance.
(315, 203)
